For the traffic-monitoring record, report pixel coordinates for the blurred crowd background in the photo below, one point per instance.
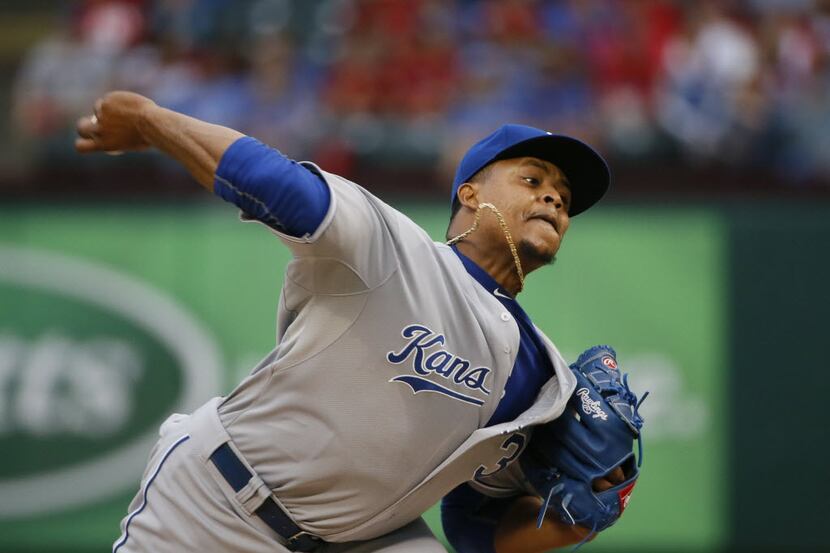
(738, 92)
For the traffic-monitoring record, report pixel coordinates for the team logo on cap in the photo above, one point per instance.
(609, 362)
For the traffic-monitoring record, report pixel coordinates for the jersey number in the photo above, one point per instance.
(517, 440)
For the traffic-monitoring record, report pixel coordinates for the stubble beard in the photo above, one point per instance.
(533, 256)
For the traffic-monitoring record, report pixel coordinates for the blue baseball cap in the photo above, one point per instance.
(586, 170)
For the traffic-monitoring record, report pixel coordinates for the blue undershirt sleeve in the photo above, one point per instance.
(470, 519)
(271, 188)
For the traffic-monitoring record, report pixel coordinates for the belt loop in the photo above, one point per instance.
(252, 495)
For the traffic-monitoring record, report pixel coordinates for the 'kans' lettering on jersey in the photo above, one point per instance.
(437, 361)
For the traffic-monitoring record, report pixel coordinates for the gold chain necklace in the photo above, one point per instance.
(507, 235)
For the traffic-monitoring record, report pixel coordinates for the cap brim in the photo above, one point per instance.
(586, 170)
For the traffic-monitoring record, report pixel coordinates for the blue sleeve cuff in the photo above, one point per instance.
(271, 188)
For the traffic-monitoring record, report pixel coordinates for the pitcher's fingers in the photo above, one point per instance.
(88, 127)
(613, 478)
(616, 476)
(601, 484)
(86, 145)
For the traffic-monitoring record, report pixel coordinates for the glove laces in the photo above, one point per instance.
(637, 420)
(555, 490)
(587, 538)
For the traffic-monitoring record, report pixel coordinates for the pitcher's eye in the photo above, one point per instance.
(531, 181)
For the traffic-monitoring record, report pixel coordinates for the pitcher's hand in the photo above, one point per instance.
(114, 126)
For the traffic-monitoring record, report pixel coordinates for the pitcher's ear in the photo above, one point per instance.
(468, 195)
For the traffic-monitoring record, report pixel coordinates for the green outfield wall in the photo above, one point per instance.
(779, 290)
(111, 317)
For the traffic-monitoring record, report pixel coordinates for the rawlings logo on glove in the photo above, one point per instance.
(590, 406)
(593, 438)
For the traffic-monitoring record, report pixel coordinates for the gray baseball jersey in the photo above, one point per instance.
(390, 360)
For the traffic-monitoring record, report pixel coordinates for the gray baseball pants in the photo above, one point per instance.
(184, 504)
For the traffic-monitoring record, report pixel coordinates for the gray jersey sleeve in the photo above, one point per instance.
(353, 240)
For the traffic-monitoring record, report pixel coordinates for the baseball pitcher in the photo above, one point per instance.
(405, 371)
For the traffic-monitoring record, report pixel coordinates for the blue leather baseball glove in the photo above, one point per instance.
(593, 437)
